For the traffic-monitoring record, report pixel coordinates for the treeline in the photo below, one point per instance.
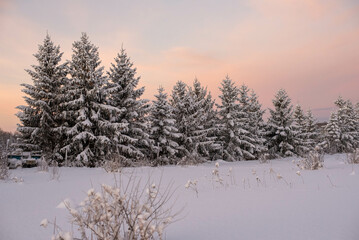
(79, 115)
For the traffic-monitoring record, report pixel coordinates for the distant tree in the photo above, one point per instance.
(280, 133)
(341, 130)
(84, 107)
(39, 118)
(300, 128)
(163, 130)
(129, 113)
(356, 116)
(311, 129)
(333, 134)
(350, 125)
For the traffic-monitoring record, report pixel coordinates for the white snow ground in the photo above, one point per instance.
(320, 204)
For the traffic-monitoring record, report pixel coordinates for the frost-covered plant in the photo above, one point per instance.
(43, 166)
(300, 175)
(192, 184)
(353, 158)
(58, 234)
(55, 170)
(313, 161)
(216, 176)
(280, 177)
(231, 176)
(128, 212)
(114, 164)
(17, 179)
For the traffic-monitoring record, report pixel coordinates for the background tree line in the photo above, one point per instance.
(79, 115)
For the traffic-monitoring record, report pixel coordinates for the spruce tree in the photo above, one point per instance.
(247, 137)
(129, 113)
(333, 134)
(230, 131)
(311, 129)
(181, 102)
(163, 130)
(257, 125)
(280, 134)
(347, 124)
(195, 120)
(85, 107)
(300, 128)
(356, 117)
(351, 126)
(202, 119)
(40, 118)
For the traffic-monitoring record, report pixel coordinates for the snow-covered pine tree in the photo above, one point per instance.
(351, 125)
(163, 130)
(257, 125)
(212, 124)
(195, 117)
(332, 134)
(301, 144)
(180, 101)
(347, 124)
(129, 116)
(247, 137)
(311, 129)
(41, 116)
(230, 131)
(202, 119)
(87, 128)
(280, 134)
(356, 110)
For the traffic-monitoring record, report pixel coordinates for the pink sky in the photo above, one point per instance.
(310, 48)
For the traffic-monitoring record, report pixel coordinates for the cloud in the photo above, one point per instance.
(307, 47)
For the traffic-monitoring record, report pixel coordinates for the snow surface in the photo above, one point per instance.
(252, 202)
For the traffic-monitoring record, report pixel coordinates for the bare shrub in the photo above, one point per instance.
(353, 158)
(313, 161)
(125, 212)
(192, 184)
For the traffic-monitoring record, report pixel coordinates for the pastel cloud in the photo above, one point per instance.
(307, 47)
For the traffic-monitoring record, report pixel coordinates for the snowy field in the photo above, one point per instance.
(254, 201)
